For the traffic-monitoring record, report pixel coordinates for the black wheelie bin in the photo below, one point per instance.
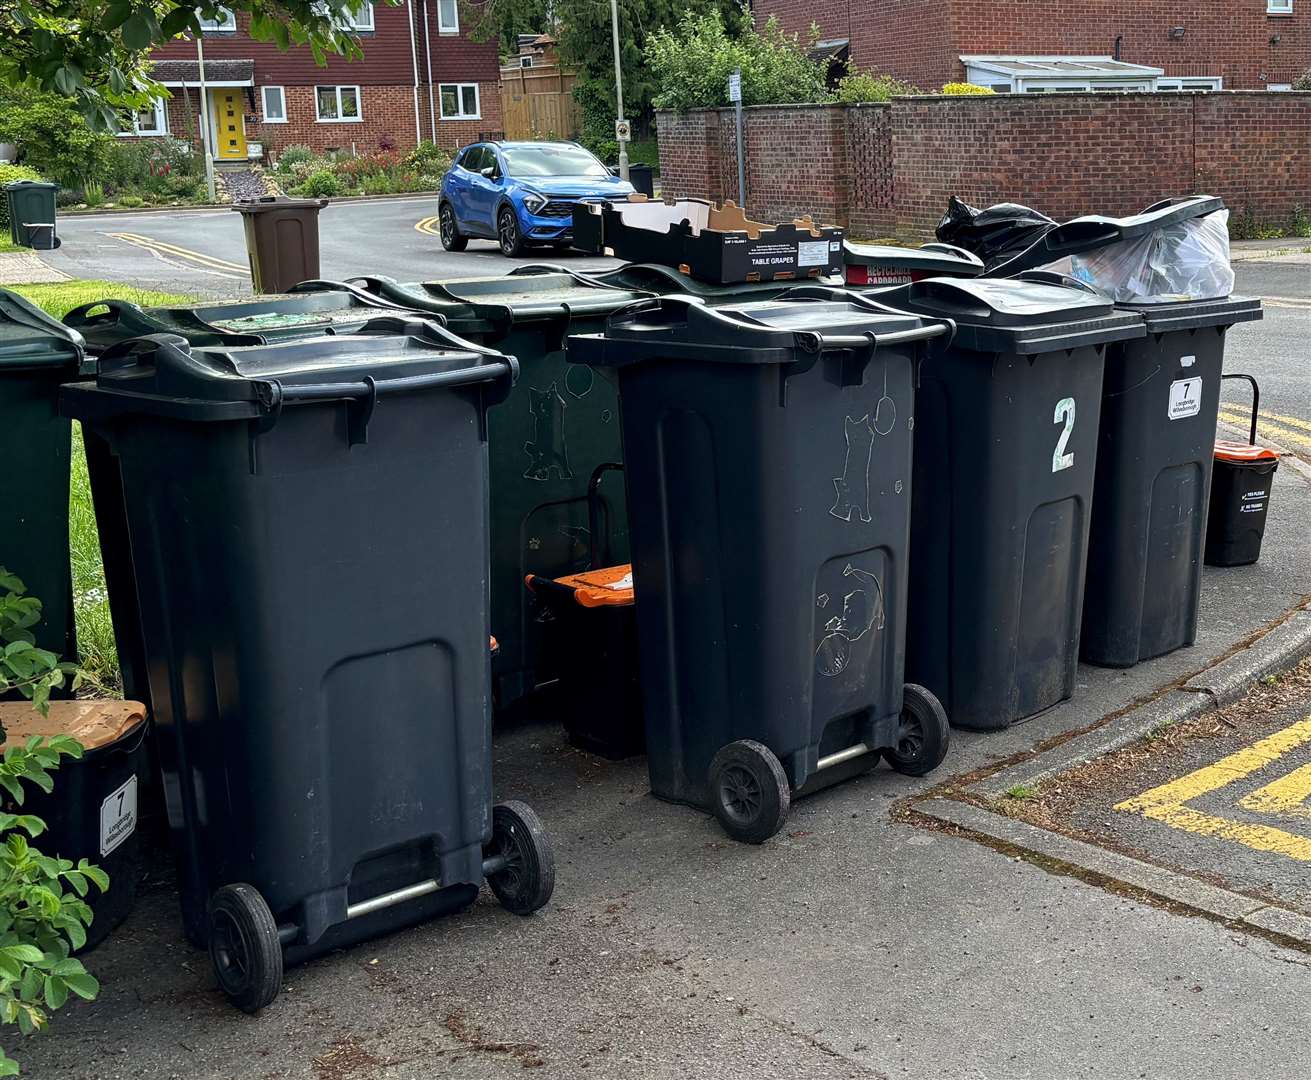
(308, 533)
(660, 280)
(37, 354)
(1005, 454)
(545, 440)
(769, 487)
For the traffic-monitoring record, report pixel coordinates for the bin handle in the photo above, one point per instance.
(79, 317)
(429, 327)
(594, 510)
(326, 285)
(531, 269)
(1053, 277)
(1256, 402)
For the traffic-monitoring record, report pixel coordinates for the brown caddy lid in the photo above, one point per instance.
(92, 723)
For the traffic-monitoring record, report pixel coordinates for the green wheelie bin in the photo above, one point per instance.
(37, 354)
(558, 426)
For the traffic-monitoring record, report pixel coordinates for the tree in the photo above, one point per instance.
(95, 53)
(505, 20)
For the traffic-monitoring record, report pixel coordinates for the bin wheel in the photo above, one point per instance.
(449, 230)
(749, 791)
(923, 733)
(528, 877)
(508, 234)
(244, 947)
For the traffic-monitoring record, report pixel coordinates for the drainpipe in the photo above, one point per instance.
(427, 48)
(414, 62)
(1119, 45)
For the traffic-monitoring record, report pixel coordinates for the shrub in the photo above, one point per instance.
(320, 184)
(1303, 81)
(861, 86)
(964, 89)
(428, 159)
(8, 174)
(691, 64)
(52, 136)
(292, 154)
(131, 200)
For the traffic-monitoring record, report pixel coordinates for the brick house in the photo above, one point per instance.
(421, 78)
(1230, 45)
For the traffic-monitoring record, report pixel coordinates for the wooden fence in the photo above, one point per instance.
(538, 103)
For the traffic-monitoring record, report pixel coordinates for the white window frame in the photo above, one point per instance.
(282, 101)
(1038, 87)
(361, 19)
(443, 27)
(525, 61)
(1278, 87)
(1279, 7)
(339, 118)
(228, 26)
(459, 100)
(161, 124)
(1190, 82)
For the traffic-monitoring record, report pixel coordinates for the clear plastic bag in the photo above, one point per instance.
(1185, 261)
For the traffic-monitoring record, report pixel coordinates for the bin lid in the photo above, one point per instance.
(238, 322)
(29, 338)
(39, 185)
(1084, 234)
(1197, 314)
(265, 203)
(1004, 315)
(765, 332)
(945, 258)
(166, 375)
(92, 723)
(611, 586)
(1242, 453)
(661, 280)
(530, 292)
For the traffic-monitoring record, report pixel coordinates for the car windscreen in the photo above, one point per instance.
(552, 161)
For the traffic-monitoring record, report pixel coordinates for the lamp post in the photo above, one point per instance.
(204, 119)
(620, 133)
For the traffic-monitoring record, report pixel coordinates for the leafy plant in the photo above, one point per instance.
(53, 137)
(862, 86)
(33, 672)
(964, 89)
(428, 159)
(319, 184)
(1303, 81)
(1300, 222)
(290, 155)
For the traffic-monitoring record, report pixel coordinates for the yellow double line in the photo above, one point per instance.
(428, 225)
(173, 251)
(1288, 430)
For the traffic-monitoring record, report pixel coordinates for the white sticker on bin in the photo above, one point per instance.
(812, 253)
(625, 582)
(1185, 398)
(118, 816)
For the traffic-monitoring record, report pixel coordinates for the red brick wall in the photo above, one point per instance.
(891, 168)
(387, 119)
(921, 40)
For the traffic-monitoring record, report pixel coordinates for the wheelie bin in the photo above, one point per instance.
(37, 354)
(1005, 453)
(769, 475)
(1240, 494)
(308, 532)
(556, 426)
(339, 310)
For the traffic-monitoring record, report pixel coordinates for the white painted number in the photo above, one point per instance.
(1064, 413)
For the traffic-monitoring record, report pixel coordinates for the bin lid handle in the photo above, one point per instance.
(326, 285)
(533, 269)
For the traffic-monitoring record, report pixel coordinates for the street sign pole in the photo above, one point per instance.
(735, 96)
(204, 119)
(621, 128)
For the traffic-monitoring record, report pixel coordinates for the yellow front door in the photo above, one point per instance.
(229, 125)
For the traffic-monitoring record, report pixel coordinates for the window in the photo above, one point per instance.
(151, 120)
(1279, 7)
(448, 17)
(459, 101)
(1279, 86)
(361, 18)
(525, 61)
(223, 22)
(1190, 83)
(274, 100)
(337, 104)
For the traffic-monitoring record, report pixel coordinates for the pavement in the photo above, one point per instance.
(896, 928)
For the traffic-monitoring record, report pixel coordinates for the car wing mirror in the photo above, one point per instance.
(489, 171)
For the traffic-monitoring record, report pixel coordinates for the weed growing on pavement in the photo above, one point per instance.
(1022, 792)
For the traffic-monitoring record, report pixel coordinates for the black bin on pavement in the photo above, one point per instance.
(1240, 494)
(32, 210)
(37, 354)
(282, 240)
(769, 483)
(558, 424)
(308, 534)
(642, 177)
(1005, 453)
(1155, 450)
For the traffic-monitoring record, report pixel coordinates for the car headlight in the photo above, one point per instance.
(533, 202)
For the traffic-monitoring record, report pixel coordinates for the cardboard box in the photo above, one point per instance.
(712, 243)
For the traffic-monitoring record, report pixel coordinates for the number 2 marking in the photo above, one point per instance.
(1064, 412)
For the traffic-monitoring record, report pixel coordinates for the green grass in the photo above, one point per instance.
(60, 298)
(95, 631)
(1022, 793)
(8, 245)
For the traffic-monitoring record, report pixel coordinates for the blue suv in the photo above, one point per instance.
(520, 193)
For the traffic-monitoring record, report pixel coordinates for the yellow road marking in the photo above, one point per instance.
(428, 225)
(1166, 803)
(1287, 421)
(1287, 795)
(160, 247)
(1275, 430)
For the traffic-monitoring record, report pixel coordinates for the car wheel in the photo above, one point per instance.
(450, 232)
(507, 233)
